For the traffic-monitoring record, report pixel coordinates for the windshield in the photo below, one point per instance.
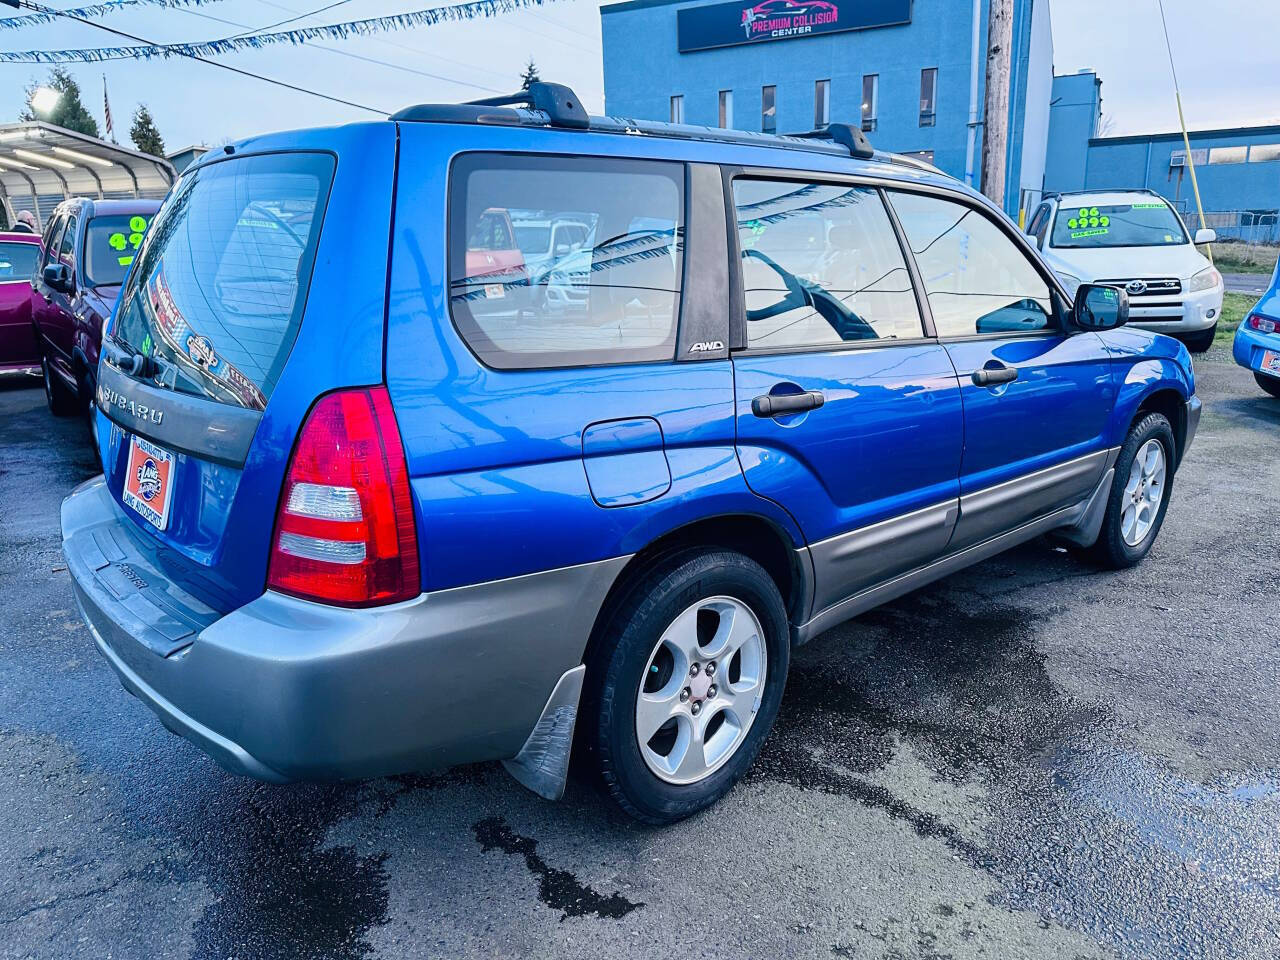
(1147, 223)
(110, 244)
(18, 261)
(222, 278)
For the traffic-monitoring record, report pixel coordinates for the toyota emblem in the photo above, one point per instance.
(1137, 287)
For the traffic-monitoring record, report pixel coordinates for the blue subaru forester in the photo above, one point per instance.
(498, 431)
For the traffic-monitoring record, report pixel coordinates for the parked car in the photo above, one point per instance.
(88, 247)
(1136, 240)
(1257, 343)
(358, 517)
(545, 242)
(19, 253)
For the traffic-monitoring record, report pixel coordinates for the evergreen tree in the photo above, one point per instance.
(530, 75)
(144, 134)
(69, 112)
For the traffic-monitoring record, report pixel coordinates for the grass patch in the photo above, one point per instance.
(1241, 258)
(1235, 307)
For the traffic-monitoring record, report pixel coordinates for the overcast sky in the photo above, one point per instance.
(1227, 54)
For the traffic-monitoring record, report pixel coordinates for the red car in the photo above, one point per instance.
(89, 246)
(19, 254)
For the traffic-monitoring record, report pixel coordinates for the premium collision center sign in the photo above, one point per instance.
(732, 24)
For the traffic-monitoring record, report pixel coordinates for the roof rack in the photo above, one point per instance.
(850, 137)
(1058, 194)
(555, 105)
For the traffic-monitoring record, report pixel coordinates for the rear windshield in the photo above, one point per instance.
(1148, 223)
(110, 244)
(18, 261)
(221, 280)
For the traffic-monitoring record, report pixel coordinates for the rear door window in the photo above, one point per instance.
(607, 290)
(821, 265)
(218, 291)
(18, 261)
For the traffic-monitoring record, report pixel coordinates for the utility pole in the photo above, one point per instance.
(995, 127)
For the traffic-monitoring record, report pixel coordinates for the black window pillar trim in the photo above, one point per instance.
(704, 321)
(913, 269)
(737, 298)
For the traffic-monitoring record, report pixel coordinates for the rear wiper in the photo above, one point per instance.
(128, 360)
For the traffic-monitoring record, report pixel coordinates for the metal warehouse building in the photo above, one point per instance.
(911, 71)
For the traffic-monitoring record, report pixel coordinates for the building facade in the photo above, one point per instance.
(1238, 169)
(911, 72)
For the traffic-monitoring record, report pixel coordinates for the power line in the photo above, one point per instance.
(341, 53)
(40, 8)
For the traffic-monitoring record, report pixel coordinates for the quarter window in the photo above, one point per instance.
(607, 290)
(66, 248)
(821, 264)
(52, 237)
(977, 280)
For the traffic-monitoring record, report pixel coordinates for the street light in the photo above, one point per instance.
(45, 100)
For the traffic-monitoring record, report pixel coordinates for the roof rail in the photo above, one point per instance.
(555, 105)
(850, 137)
(558, 102)
(1075, 193)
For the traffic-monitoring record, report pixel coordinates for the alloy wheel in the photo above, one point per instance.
(1144, 493)
(701, 690)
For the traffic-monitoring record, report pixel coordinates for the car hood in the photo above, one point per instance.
(1126, 263)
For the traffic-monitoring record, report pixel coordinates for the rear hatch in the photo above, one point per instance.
(249, 299)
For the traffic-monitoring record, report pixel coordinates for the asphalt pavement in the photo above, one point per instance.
(1250, 284)
(1032, 758)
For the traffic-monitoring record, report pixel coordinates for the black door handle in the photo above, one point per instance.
(992, 376)
(782, 404)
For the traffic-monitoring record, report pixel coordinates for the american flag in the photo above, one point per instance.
(106, 109)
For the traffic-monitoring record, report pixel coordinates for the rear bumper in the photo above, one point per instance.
(1250, 346)
(284, 689)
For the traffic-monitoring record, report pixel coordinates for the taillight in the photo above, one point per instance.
(344, 532)
(1263, 324)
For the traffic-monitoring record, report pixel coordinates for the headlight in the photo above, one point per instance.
(1071, 283)
(1207, 279)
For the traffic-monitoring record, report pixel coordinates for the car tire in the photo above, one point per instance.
(676, 619)
(1268, 384)
(90, 397)
(1200, 342)
(1140, 494)
(62, 402)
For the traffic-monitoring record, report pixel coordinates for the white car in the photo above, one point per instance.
(1136, 240)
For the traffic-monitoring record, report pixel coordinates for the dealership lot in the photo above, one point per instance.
(1029, 759)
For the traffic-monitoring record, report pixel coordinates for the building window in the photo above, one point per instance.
(1227, 155)
(821, 104)
(928, 96)
(1264, 153)
(677, 109)
(870, 101)
(726, 108)
(1179, 158)
(769, 109)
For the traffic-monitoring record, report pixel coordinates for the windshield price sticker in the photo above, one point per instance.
(120, 241)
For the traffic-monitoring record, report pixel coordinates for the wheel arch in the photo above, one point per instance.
(1173, 406)
(1153, 386)
(753, 535)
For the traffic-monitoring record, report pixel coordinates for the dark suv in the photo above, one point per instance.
(88, 247)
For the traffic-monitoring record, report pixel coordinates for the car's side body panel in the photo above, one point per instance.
(18, 348)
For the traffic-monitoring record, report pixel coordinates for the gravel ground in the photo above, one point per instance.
(1029, 759)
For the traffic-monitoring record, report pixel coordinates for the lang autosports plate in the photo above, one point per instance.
(148, 481)
(1271, 363)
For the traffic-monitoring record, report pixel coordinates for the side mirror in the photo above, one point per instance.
(57, 276)
(1206, 235)
(1099, 307)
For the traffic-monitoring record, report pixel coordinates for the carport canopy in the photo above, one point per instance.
(41, 165)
